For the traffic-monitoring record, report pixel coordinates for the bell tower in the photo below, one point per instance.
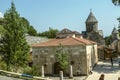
(91, 23)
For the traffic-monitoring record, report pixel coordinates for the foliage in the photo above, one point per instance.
(28, 28)
(28, 70)
(14, 47)
(107, 40)
(32, 71)
(32, 31)
(2, 30)
(3, 66)
(116, 2)
(36, 72)
(49, 34)
(61, 56)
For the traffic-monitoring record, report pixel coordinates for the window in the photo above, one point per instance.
(72, 62)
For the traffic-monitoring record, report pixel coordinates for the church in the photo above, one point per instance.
(81, 54)
(81, 49)
(92, 32)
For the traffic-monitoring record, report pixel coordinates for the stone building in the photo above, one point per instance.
(81, 54)
(115, 41)
(92, 32)
(105, 52)
(66, 32)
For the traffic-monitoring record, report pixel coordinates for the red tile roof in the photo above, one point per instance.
(65, 42)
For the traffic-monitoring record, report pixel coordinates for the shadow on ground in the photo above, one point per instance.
(106, 67)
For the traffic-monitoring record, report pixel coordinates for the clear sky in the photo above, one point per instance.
(70, 14)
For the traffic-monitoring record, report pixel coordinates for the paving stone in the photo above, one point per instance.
(8, 78)
(104, 67)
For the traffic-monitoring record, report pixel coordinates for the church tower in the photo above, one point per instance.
(115, 34)
(91, 23)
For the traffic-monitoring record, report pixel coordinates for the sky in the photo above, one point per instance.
(60, 14)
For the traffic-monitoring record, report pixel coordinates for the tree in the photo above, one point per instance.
(2, 30)
(32, 31)
(50, 34)
(116, 2)
(29, 29)
(61, 57)
(13, 45)
(108, 40)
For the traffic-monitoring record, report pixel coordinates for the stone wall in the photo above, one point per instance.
(35, 39)
(92, 57)
(77, 55)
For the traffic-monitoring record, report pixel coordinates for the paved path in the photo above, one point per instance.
(105, 67)
(66, 78)
(8, 78)
(106, 77)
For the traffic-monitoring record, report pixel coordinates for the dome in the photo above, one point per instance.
(1, 15)
(91, 18)
(115, 31)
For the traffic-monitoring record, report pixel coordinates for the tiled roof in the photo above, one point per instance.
(65, 42)
(65, 31)
(75, 32)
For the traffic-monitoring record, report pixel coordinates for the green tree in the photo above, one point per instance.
(2, 30)
(28, 28)
(62, 57)
(108, 40)
(14, 47)
(51, 33)
(116, 2)
(32, 31)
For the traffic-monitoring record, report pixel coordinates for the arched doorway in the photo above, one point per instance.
(57, 68)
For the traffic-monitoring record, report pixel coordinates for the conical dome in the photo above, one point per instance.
(91, 18)
(115, 31)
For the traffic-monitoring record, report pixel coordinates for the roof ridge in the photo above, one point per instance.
(65, 42)
(43, 42)
(84, 40)
(78, 40)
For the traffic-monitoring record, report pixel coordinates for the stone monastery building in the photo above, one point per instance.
(80, 48)
(82, 55)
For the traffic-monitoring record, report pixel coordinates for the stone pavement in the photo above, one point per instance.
(8, 78)
(105, 67)
(66, 78)
(106, 77)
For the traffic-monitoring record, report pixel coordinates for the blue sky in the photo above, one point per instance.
(70, 14)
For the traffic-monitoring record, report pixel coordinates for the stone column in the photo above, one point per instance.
(43, 71)
(71, 71)
(61, 75)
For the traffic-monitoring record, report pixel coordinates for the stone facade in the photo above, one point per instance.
(101, 53)
(105, 52)
(92, 32)
(35, 39)
(81, 54)
(115, 41)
